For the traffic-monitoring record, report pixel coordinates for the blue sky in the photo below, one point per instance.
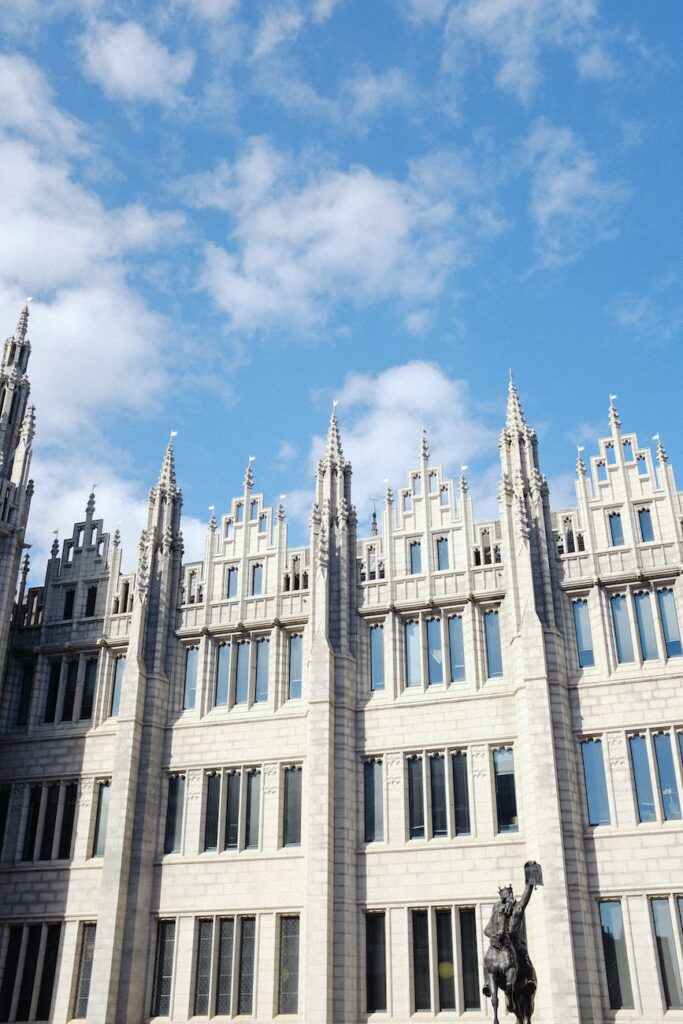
(230, 213)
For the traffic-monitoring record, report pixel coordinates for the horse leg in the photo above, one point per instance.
(494, 998)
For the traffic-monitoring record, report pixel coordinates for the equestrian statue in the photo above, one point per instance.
(507, 967)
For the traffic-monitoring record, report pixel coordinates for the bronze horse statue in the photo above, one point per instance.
(507, 966)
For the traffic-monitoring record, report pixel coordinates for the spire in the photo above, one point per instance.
(333, 448)
(212, 519)
(90, 507)
(514, 419)
(373, 523)
(25, 566)
(54, 551)
(424, 447)
(167, 479)
(389, 495)
(463, 480)
(22, 324)
(662, 456)
(614, 421)
(280, 514)
(249, 474)
(117, 537)
(580, 464)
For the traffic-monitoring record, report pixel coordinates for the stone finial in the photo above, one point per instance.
(514, 419)
(462, 483)
(22, 324)
(373, 520)
(323, 547)
(424, 447)
(614, 421)
(54, 550)
(662, 456)
(25, 567)
(333, 448)
(580, 464)
(117, 537)
(167, 477)
(212, 519)
(90, 507)
(248, 481)
(388, 495)
(28, 425)
(280, 513)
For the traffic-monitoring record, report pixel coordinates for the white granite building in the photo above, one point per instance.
(285, 783)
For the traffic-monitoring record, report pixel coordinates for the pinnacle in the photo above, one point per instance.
(249, 474)
(333, 448)
(515, 417)
(22, 325)
(580, 464)
(90, 507)
(424, 447)
(614, 421)
(167, 477)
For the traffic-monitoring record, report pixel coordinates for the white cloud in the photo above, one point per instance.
(130, 64)
(213, 10)
(305, 236)
(655, 316)
(27, 107)
(281, 23)
(425, 10)
(571, 204)
(366, 94)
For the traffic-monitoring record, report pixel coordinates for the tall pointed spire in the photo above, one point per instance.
(661, 450)
(90, 507)
(424, 447)
(167, 478)
(248, 481)
(580, 464)
(514, 419)
(334, 454)
(614, 421)
(22, 324)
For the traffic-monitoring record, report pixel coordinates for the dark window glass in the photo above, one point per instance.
(641, 778)
(415, 557)
(70, 691)
(25, 694)
(47, 981)
(49, 821)
(622, 628)
(647, 534)
(376, 657)
(202, 976)
(52, 691)
(239, 512)
(646, 627)
(616, 958)
(242, 673)
(376, 962)
(222, 675)
(174, 814)
(666, 953)
(256, 579)
(117, 687)
(9, 975)
(163, 969)
(103, 794)
(224, 969)
(667, 777)
(434, 656)
(494, 658)
(461, 794)
(444, 955)
(232, 810)
(232, 581)
(594, 778)
(506, 800)
(253, 808)
(246, 978)
(416, 813)
(68, 816)
(90, 602)
(190, 692)
(374, 811)
(456, 645)
(84, 970)
(667, 613)
(253, 510)
(4, 812)
(442, 554)
(34, 799)
(213, 792)
(584, 640)
(88, 698)
(437, 777)
(421, 991)
(262, 654)
(69, 596)
(413, 657)
(29, 973)
(468, 955)
(616, 530)
(288, 995)
(295, 662)
(291, 833)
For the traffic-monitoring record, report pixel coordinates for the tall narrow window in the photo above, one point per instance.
(444, 956)
(288, 989)
(261, 689)
(666, 774)
(494, 658)
(416, 811)
(376, 657)
(421, 986)
(213, 794)
(460, 793)
(646, 627)
(90, 602)
(25, 694)
(437, 787)
(456, 648)
(222, 676)
(667, 613)
(70, 691)
(594, 778)
(253, 511)
(173, 837)
(190, 692)
(80, 1009)
(666, 954)
(376, 962)
(245, 991)
(163, 969)
(373, 802)
(262, 524)
(69, 597)
(616, 957)
(239, 512)
(256, 580)
(202, 976)
(616, 530)
(88, 698)
(52, 691)
(35, 796)
(232, 810)
(415, 557)
(50, 819)
(226, 935)
(68, 816)
(641, 778)
(506, 799)
(242, 673)
(117, 686)
(33, 984)
(442, 554)
(411, 632)
(434, 656)
(9, 974)
(231, 589)
(295, 666)
(291, 831)
(444, 498)
(4, 813)
(647, 534)
(584, 640)
(622, 628)
(253, 812)
(468, 954)
(101, 819)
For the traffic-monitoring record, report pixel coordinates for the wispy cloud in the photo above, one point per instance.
(654, 316)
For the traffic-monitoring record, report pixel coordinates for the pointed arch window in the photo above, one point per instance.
(256, 580)
(231, 585)
(415, 557)
(253, 510)
(616, 529)
(442, 554)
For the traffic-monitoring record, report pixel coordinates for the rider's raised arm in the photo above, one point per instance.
(526, 896)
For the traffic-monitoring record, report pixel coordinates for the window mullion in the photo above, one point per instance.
(242, 813)
(427, 791)
(58, 821)
(213, 981)
(678, 768)
(235, 979)
(635, 632)
(433, 960)
(61, 691)
(222, 810)
(40, 960)
(78, 696)
(35, 852)
(450, 793)
(21, 963)
(654, 775)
